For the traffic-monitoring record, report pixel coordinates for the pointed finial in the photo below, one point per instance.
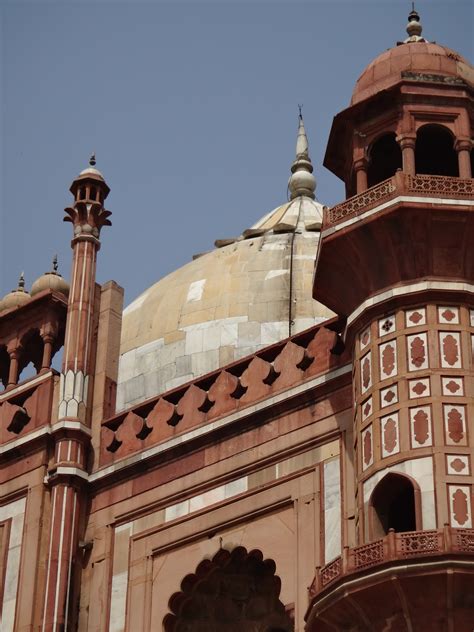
(414, 27)
(55, 264)
(21, 282)
(92, 160)
(302, 181)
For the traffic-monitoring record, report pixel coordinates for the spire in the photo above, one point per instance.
(302, 181)
(92, 160)
(55, 265)
(21, 283)
(414, 27)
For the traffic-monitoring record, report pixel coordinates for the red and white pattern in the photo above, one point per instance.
(389, 432)
(417, 352)
(455, 424)
(450, 349)
(452, 386)
(366, 372)
(460, 506)
(386, 325)
(388, 359)
(458, 464)
(415, 317)
(364, 338)
(420, 427)
(389, 396)
(448, 315)
(367, 408)
(419, 388)
(367, 448)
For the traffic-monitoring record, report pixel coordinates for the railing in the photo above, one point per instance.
(393, 547)
(399, 184)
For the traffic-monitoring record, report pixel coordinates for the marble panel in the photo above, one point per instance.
(386, 325)
(417, 352)
(448, 315)
(364, 338)
(450, 349)
(419, 388)
(389, 432)
(452, 386)
(367, 408)
(460, 506)
(366, 372)
(195, 291)
(332, 510)
(415, 317)
(420, 427)
(458, 464)
(388, 396)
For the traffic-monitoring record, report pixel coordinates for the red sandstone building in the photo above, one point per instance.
(194, 469)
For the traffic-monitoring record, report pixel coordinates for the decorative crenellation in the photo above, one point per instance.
(235, 387)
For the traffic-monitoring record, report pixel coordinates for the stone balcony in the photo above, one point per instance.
(398, 185)
(417, 580)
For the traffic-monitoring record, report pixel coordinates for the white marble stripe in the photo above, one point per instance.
(81, 298)
(452, 286)
(45, 430)
(68, 324)
(60, 555)
(89, 314)
(70, 560)
(48, 568)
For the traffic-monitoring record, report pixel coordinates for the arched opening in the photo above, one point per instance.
(385, 157)
(394, 504)
(434, 152)
(235, 590)
(4, 366)
(31, 356)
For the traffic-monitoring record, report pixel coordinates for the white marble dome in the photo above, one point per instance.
(246, 294)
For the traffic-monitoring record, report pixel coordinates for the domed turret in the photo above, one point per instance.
(16, 297)
(51, 281)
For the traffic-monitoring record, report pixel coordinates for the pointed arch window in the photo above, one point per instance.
(395, 503)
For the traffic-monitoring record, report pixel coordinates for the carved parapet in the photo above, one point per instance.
(394, 547)
(223, 392)
(399, 184)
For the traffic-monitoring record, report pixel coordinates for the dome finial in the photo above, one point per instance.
(302, 181)
(92, 160)
(414, 27)
(55, 264)
(21, 282)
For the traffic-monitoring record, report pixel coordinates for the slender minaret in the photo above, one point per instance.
(72, 431)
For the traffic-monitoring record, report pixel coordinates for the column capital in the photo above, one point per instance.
(360, 164)
(463, 144)
(406, 140)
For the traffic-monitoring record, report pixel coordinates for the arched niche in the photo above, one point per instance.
(395, 503)
(434, 151)
(384, 158)
(236, 591)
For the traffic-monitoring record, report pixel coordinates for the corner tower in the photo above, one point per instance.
(395, 261)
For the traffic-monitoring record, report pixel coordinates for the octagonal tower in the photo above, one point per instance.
(395, 261)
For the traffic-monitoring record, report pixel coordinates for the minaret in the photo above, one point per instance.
(72, 431)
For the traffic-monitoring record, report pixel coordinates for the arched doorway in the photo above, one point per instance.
(236, 591)
(434, 152)
(385, 157)
(394, 504)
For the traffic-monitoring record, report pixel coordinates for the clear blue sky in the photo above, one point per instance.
(191, 108)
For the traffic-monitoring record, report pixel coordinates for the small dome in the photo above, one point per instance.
(50, 281)
(16, 297)
(424, 57)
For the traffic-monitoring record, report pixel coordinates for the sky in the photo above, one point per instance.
(191, 108)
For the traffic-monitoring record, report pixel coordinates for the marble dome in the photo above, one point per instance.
(244, 295)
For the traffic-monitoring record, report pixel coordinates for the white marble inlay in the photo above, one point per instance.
(386, 325)
(415, 317)
(452, 386)
(332, 510)
(457, 464)
(460, 506)
(195, 290)
(448, 315)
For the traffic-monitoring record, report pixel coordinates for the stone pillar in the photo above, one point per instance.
(48, 340)
(463, 147)
(407, 145)
(360, 168)
(14, 354)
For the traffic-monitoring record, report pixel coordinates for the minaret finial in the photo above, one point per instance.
(414, 27)
(302, 181)
(55, 264)
(92, 160)
(21, 282)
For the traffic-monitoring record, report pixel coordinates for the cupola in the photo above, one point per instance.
(90, 184)
(16, 297)
(51, 280)
(410, 111)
